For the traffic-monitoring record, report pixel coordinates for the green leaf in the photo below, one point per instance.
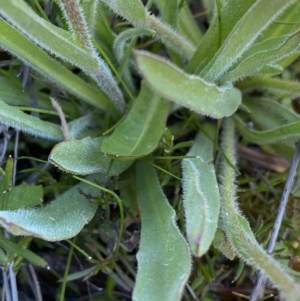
(75, 18)
(277, 122)
(269, 114)
(221, 243)
(132, 10)
(268, 136)
(139, 133)
(163, 258)
(61, 219)
(28, 124)
(23, 196)
(200, 196)
(124, 36)
(170, 13)
(224, 19)
(257, 18)
(90, 11)
(52, 70)
(187, 90)
(76, 48)
(83, 157)
(6, 183)
(206, 49)
(262, 54)
(230, 14)
(50, 37)
(76, 126)
(11, 92)
(237, 229)
(187, 24)
(13, 248)
(278, 87)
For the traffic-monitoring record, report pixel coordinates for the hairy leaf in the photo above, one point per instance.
(132, 10)
(63, 218)
(238, 231)
(224, 19)
(17, 119)
(76, 48)
(90, 9)
(257, 18)
(139, 133)
(275, 120)
(278, 87)
(52, 70)
(124, 36)
(200, 195)
(23, 196)
(187, 24)
(262, 54)
(187, 90)
(83, 157)
(163, 258)
(50, 37)
(269, 136)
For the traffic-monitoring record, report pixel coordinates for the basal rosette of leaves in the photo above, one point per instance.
(131, 78)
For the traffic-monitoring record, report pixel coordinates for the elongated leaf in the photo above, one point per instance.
(276, 122)
(48, 36)
(40, 61)
(262, 54)
(132, 10)
(125, 36)
(12, 93)
(187, 24)
(231, 13)
(268, 114)
(90, 9)
(83, 157)
(28, 124)
(201, 196)
(187, 90)
(224, 19)
(76, 48)
(163, 258)
(269, 136)
(278, 87)
(287, 23)
(208, 46)
(63, 218)
(170, 13)
(6, 183)
(13, 248)
(250, 26)
(77, 24)
(238, 231)
(139, 133)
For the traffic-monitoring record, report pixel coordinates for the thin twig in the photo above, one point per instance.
(62, 117)
(13, 282)
(6, 287)
(261, 279)
(36, 288)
